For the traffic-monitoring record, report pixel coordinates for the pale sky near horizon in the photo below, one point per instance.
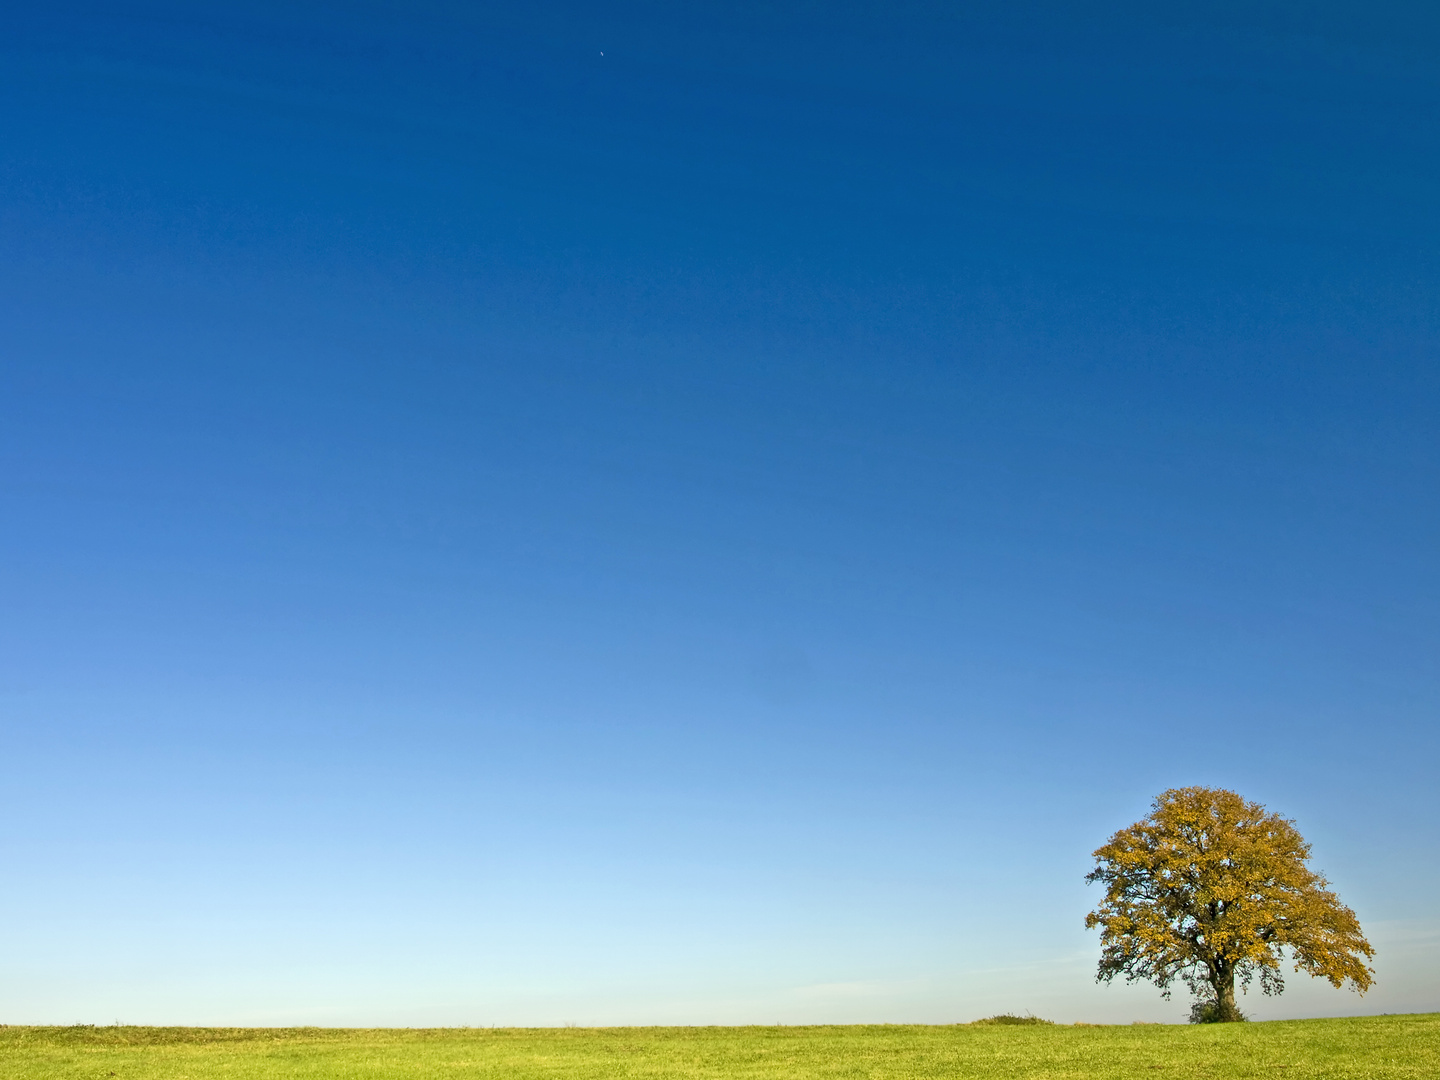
(713, 532)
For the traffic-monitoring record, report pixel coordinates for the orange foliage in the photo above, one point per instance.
(1209, 889)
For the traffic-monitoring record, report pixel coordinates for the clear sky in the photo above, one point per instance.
(652, 512)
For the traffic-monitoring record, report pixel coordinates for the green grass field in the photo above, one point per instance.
(1368, 1047)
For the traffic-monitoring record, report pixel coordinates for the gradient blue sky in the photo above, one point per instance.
(492, 532)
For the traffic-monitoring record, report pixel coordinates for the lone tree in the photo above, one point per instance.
(1209, 889)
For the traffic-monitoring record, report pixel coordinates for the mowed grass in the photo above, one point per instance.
(1368, 1047)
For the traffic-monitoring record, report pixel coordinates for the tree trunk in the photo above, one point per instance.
(1224, 983)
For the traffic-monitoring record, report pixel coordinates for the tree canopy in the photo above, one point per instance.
(1210, 889)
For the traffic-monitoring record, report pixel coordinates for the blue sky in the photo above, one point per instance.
(542, 513)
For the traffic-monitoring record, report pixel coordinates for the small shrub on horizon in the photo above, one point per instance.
(1011, 1018)
(1208, 1011)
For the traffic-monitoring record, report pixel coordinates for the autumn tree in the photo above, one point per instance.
(1211, 889)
